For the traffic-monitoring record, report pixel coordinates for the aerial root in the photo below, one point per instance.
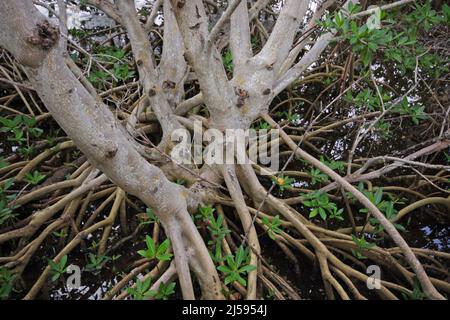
(322, 246)
(412, 260)
(234, 188)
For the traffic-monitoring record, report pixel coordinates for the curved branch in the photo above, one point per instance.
(423, 278)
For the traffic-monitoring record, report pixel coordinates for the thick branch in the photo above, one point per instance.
(240, 43)
(95, 131)
(424, 280)
(280, 41)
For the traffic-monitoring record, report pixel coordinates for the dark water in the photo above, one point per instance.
(426, 228)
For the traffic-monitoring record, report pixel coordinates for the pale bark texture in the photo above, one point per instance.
(192, 53)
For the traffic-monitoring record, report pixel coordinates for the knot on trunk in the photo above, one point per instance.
(169, 85)
(45, 35)
(181, 3)
(111, 152)
(242, 95)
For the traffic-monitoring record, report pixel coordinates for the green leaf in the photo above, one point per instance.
(146, 284)
(230, 261)
(150, 246)
(56, 276)
(3, 163)
(240, 255)
(63, 261)
(229, 279)
(53, 265)
(34, 178)
(241, 280)
(144, 254)
(224, 269)
(323, 214)
(247, 268)
(227, 60)
(29, 121)
(358, 255)
(132, 292)
(378, 195)
(162, 254)
(162, 248)
(399, 227)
